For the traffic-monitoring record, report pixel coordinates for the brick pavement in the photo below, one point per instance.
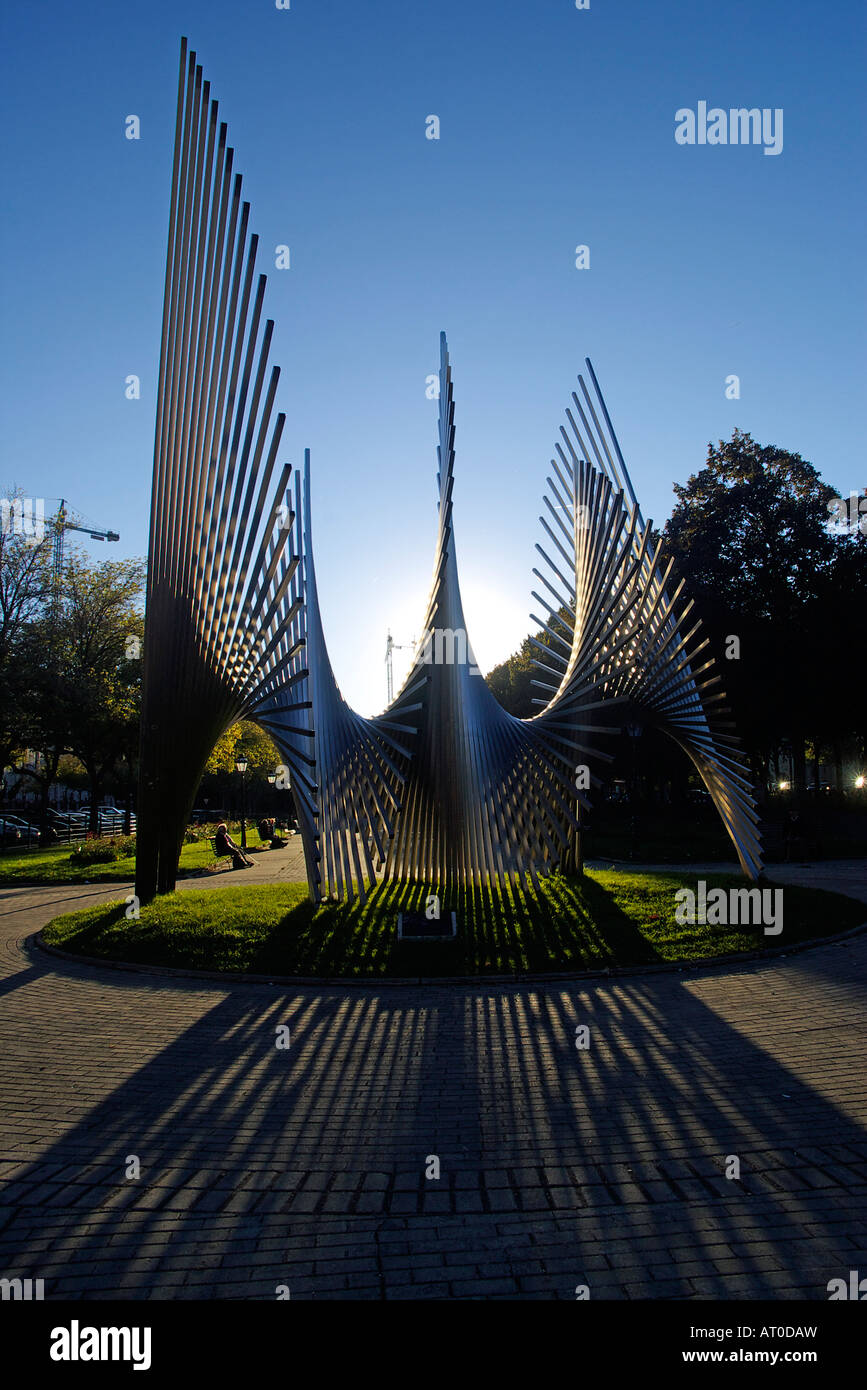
(306, 1167)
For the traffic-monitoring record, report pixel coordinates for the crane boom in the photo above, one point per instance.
(61, 525)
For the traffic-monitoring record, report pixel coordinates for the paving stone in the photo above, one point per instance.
(304, 1202)
(501, 1199)
(610, 1174)
(417, 1291)
(433, 1202)
(483, 1288)
(376, 1182)
(403, 1202)
(370, 1201)
(409, 1182)
(566, 1198)
(533, 1199)
(466, 1180)
(495, 1177)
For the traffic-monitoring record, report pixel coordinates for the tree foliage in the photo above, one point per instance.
(512, 680)
(247, 738)
(751, 538)
(750, 535)
(25, 586)
(70, 670)
(750, 531)
(97, 636)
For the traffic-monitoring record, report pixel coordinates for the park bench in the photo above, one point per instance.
(218, 858)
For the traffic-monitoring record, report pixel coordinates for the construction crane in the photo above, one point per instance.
(392, 646)
(62, 524)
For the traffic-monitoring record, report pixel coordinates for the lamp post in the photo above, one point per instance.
(241, 768)
(634, 731)
(127, 813)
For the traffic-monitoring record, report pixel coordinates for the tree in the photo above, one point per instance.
(750, 536)
(25, 587)
(43, 715)
(221, 779)
(97, 637)
(69, 669)
(511, 681)
(835, 620)
(247, 738)
(750, 531)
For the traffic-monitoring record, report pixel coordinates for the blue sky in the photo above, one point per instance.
(557, 128)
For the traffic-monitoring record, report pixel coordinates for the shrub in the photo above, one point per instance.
(103, 851)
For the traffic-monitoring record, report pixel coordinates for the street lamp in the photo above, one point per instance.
(241, 767)
(127, 814)
(272, 778)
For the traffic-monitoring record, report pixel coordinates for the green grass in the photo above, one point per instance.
(603, 919)
(44, 866)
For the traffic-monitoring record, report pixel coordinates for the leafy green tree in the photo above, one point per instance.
(43, 721)
(247, 738)
(751, 538)
(750, 535)
(97, 638)
(25, 588)
(221, 779)
(511, 681)
(750, 531)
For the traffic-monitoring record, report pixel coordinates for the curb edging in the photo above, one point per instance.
(35, 942)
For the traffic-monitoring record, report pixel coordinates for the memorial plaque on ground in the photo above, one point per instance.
(414, 926)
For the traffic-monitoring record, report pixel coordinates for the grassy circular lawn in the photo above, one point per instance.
(602, 919)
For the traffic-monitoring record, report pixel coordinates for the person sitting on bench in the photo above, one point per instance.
(224, 844)
(268, 834)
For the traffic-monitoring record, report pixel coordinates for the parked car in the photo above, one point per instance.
(110, 820)
(29, 833)
(208, 816)
(10, 835)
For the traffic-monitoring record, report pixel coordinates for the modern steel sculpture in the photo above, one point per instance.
(445, 787)
(224, 603)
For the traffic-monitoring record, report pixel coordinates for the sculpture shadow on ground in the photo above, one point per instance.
(607, 1159)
